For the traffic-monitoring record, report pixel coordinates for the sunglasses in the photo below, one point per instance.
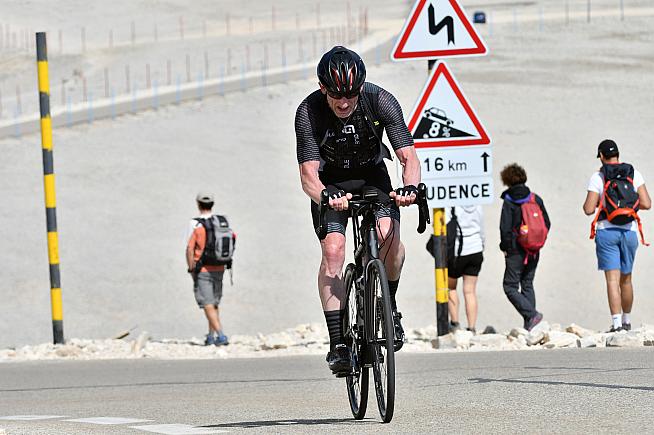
(348, 95)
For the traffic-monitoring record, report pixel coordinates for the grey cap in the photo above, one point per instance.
(204, 197)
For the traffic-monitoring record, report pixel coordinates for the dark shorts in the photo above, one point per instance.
(465, 265)
(352, 181)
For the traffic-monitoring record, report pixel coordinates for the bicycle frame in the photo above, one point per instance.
(366, 249)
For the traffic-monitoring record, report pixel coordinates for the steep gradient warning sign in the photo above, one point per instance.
(437, 29)
(442, 116)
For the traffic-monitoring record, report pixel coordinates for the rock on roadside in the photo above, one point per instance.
(629, 339)
(556, 339)
(494, 341)
(537, 333)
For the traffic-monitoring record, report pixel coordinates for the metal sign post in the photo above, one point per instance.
(452, 144)
(439, 252)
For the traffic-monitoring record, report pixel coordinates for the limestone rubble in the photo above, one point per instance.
(311, 339)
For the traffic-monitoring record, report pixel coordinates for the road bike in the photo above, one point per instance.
(368, 324)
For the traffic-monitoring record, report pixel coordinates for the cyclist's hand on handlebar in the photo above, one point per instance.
(339, 200)
(405, 196)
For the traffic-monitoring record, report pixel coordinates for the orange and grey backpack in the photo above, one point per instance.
(619, 200)
(220, 242)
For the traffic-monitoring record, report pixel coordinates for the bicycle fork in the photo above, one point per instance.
(367, 299)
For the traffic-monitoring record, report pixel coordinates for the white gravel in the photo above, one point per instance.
(312, 339)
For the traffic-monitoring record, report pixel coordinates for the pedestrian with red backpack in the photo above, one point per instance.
(524, 226)
(617, 191)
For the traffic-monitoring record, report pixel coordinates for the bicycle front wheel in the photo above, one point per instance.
(383, 337)
(357, 381)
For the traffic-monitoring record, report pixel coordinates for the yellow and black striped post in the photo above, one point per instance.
(49, 187)
(440, 267)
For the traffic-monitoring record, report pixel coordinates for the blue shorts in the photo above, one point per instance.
(616, 249)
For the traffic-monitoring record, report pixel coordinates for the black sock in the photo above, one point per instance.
(392, 287)
(335, 327)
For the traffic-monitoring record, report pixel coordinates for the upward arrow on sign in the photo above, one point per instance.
(485, 157)
(422, 36)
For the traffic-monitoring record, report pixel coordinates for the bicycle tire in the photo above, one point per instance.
(357, 382)
(382, 339)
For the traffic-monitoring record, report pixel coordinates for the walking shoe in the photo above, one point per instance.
(626, 326)
(618, 329)
(221, 339)
(473, 330)
(454, 326)
(534, 321)
(210, 340)
(399, 331)
(339, 360)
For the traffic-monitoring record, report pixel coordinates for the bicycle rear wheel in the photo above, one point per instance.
(357, 381)
(382, 339)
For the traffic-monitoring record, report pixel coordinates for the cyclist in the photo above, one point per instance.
(339, 130)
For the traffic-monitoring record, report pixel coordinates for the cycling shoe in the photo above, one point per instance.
(399, 331)
(340, 360)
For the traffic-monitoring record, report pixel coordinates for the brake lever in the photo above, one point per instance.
(322, 208)
(423, 208)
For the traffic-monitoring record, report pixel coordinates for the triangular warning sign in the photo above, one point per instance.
(437, 29)
(442, 116)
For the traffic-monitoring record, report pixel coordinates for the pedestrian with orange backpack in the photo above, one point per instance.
(617, 191)
(524, 226)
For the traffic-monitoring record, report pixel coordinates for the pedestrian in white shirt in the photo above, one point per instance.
(465, 231)
(617, 191)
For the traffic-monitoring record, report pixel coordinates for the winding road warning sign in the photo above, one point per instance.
(437, 29)
(442, 116)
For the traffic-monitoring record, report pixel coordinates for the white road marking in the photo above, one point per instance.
(31, 417)
(108, 420)
(177, 429)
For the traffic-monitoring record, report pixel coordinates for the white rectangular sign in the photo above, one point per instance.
(454, 162)
(448, 192)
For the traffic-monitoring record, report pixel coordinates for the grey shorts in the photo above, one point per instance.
(208, 288)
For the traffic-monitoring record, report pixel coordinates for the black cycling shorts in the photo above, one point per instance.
(465, 265)
(352, 181)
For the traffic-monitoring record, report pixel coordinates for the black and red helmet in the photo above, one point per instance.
(342, 72)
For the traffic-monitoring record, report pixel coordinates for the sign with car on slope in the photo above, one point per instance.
(442, 116)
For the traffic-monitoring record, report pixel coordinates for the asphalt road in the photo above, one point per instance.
(566, 391)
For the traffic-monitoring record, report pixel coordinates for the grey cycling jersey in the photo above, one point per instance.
(322, 136)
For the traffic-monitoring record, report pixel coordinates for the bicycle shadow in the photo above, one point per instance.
(292, 422)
